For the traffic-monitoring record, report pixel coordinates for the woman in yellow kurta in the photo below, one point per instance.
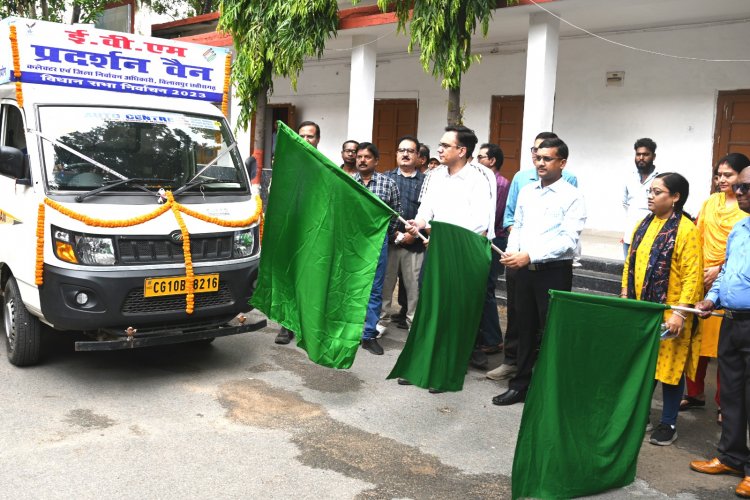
(665, 265)
(716, 219)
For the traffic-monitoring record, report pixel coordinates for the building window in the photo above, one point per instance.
(117, 17)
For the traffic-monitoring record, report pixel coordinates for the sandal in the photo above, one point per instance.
(689, 402)
(718, 416)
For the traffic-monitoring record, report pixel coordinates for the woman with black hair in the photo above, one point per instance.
(665, 265)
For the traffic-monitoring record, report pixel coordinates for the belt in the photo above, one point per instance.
(553, 264)
(735, 314)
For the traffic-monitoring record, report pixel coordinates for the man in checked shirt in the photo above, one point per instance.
(384, 188)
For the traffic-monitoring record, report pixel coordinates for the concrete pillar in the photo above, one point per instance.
(362, 88)
(541, 75)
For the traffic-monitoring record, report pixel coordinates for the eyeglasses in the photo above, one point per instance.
(408, 151)
(446, 146)
(350, 151)
(741, 186)
(482, 157)
(546, 159)
(656, 192)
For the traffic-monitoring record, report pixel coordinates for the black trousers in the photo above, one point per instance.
(532, 299)
(511, 330)
(734, 373)
(490, 332)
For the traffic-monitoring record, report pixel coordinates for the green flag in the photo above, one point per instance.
(322, 238)
(455, 272)
(588, 403)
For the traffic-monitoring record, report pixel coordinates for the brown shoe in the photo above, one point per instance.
(714, 466)
(743, 489)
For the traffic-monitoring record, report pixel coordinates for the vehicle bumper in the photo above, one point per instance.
(116, 298)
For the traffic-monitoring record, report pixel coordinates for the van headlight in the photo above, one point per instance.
(95, 250)
(83, 249)
(244, 243)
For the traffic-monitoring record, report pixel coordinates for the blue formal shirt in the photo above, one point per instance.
(731, 290)
(521, 179)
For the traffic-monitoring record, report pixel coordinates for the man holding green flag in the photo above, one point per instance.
(318, 262)
(462, 196)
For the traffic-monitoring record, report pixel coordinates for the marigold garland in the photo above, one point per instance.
(39, 272)
(16, 64)
(176, 208)
(225, 97)
(189, 275)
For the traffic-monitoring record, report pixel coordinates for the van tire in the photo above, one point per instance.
(23, 331)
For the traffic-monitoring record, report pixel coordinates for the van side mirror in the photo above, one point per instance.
(12, 163)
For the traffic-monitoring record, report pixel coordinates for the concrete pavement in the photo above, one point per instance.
(245, 418)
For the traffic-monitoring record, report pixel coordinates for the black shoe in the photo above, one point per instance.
(395, 318)
(403, 381)
(403, 324)
(435, 391)
(509, 397)
(285, 336)
(372, 346)
(478, 359)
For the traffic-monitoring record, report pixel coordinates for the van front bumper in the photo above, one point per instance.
(116, 298)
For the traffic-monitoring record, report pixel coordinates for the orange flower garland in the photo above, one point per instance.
(225, 98)
(16, 64)
(39, 272)
(189, 274)
(92, 221)
(176, 208)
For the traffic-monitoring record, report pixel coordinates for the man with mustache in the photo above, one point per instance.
(635, 194)
(384, 188)
(731, 292)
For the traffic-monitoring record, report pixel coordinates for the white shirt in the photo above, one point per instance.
(548, 221)
(635, 201)
(466, 199)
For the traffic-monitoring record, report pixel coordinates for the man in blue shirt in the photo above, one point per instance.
(521, 179)
(731, 292)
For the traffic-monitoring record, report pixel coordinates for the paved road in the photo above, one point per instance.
(245, 418)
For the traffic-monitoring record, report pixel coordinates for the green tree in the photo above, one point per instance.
(272, 38)
(87, 11)
(442, 29)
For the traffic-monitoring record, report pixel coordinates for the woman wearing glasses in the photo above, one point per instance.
(665, 265)
(716, 219)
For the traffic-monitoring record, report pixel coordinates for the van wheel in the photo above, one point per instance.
(22, 329)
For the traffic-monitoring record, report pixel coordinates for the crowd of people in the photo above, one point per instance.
(535, 219)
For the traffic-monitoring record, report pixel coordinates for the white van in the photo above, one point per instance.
(119, 189)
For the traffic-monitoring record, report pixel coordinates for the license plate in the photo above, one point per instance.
(177, 285)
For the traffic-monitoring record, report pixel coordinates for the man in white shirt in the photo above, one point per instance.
(548, 221)
(458, 192)
(461, 193)
(635, 191)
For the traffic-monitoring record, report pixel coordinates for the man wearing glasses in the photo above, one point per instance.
(731, 292)
(549, 217)
(457, 191)
(508, 368)
(349, 157)
(405, 252)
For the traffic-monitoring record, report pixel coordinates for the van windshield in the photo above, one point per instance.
(168, 148)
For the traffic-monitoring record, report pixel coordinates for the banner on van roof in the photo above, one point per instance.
(84, 57)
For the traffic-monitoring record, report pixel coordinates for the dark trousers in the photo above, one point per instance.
(511, 330)
(532, 300)
(734, 371)
(490, 333)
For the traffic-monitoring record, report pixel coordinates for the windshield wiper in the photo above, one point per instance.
(137, 182)
(197, 182)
